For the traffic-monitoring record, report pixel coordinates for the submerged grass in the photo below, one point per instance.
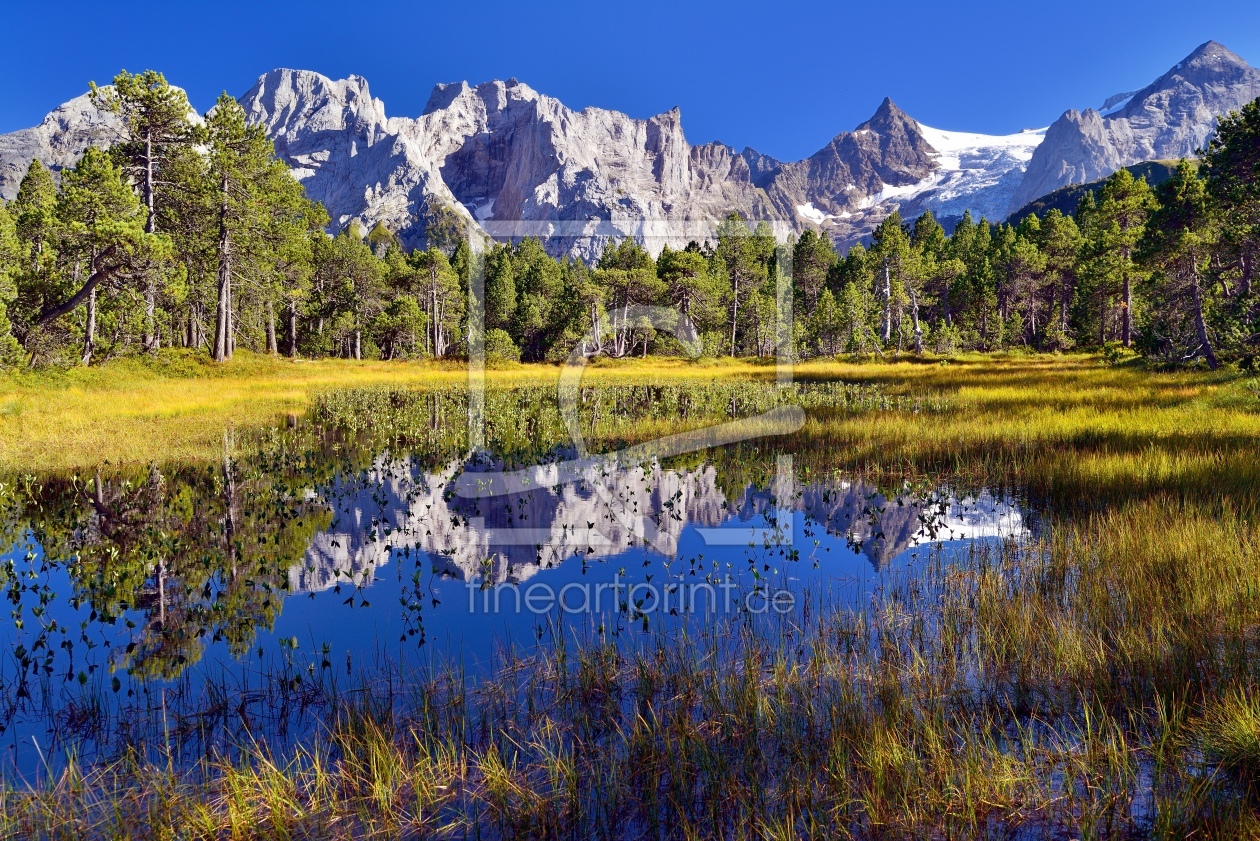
(1101, 680)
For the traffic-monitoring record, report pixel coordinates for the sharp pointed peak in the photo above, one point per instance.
(888, 107)
(886, 116)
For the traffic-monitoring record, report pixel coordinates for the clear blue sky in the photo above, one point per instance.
(780, 76)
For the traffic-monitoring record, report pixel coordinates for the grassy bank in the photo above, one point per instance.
(175, 407)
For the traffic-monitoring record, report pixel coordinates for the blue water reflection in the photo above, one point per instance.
(412, 574)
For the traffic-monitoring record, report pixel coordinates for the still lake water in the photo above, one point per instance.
(188, 608)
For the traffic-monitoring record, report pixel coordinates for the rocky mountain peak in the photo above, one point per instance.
(903, 156)
(443, 94)
(287, 100)
(58, 142)
(1213, 52)
(523, 164)
(1170, 118)
(888, 118)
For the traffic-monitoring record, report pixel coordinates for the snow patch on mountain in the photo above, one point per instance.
(1115, 103)
(818, 217)
(973, 172)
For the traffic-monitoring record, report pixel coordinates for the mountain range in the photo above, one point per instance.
(644, 506)
(520, 163)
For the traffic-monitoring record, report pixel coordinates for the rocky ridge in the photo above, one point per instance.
(518, 163)
(1170, 118)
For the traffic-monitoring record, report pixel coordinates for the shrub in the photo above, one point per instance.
(500, 347)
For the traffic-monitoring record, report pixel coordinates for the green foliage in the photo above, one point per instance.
(500, 347)
(195, 234)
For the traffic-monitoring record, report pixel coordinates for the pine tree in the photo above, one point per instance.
(537, 322)
(441, 298)
(1179, 242)
(1232, 166)
(627, 275)
(10, 265)
(100, 239)
(1115, 228)
(689, 286)
(156, 120)
(813, 257)
(890, 249)
(745, 265)
(500, 288)
(34, 213)
(825, 325)
(260, 213)
(1060, 242)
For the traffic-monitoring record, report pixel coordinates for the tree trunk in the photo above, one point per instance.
(1126, 314)
(734, 314)
(433, 311)
(887, 332)
(197, 325)
(292, 330)
(1102, 316)
(223, 315)
(98, 275)
(1063, 313)
(150, 222)
(918, 330)
(272, 346)
(1200, 324)
(89, 331)
(231, 319)
(358, 345)
(151, 340)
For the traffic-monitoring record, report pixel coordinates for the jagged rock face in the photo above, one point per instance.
(518, 163)
(345, 151)
(58, 142)
(1170, 118)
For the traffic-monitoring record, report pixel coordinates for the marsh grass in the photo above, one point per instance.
(1081, 685)
(174, 406)
(1098, 680)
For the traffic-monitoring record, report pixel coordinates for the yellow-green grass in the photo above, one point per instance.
(176, 407)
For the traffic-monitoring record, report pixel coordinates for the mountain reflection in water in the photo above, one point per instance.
(510, 538)
(128, 593)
